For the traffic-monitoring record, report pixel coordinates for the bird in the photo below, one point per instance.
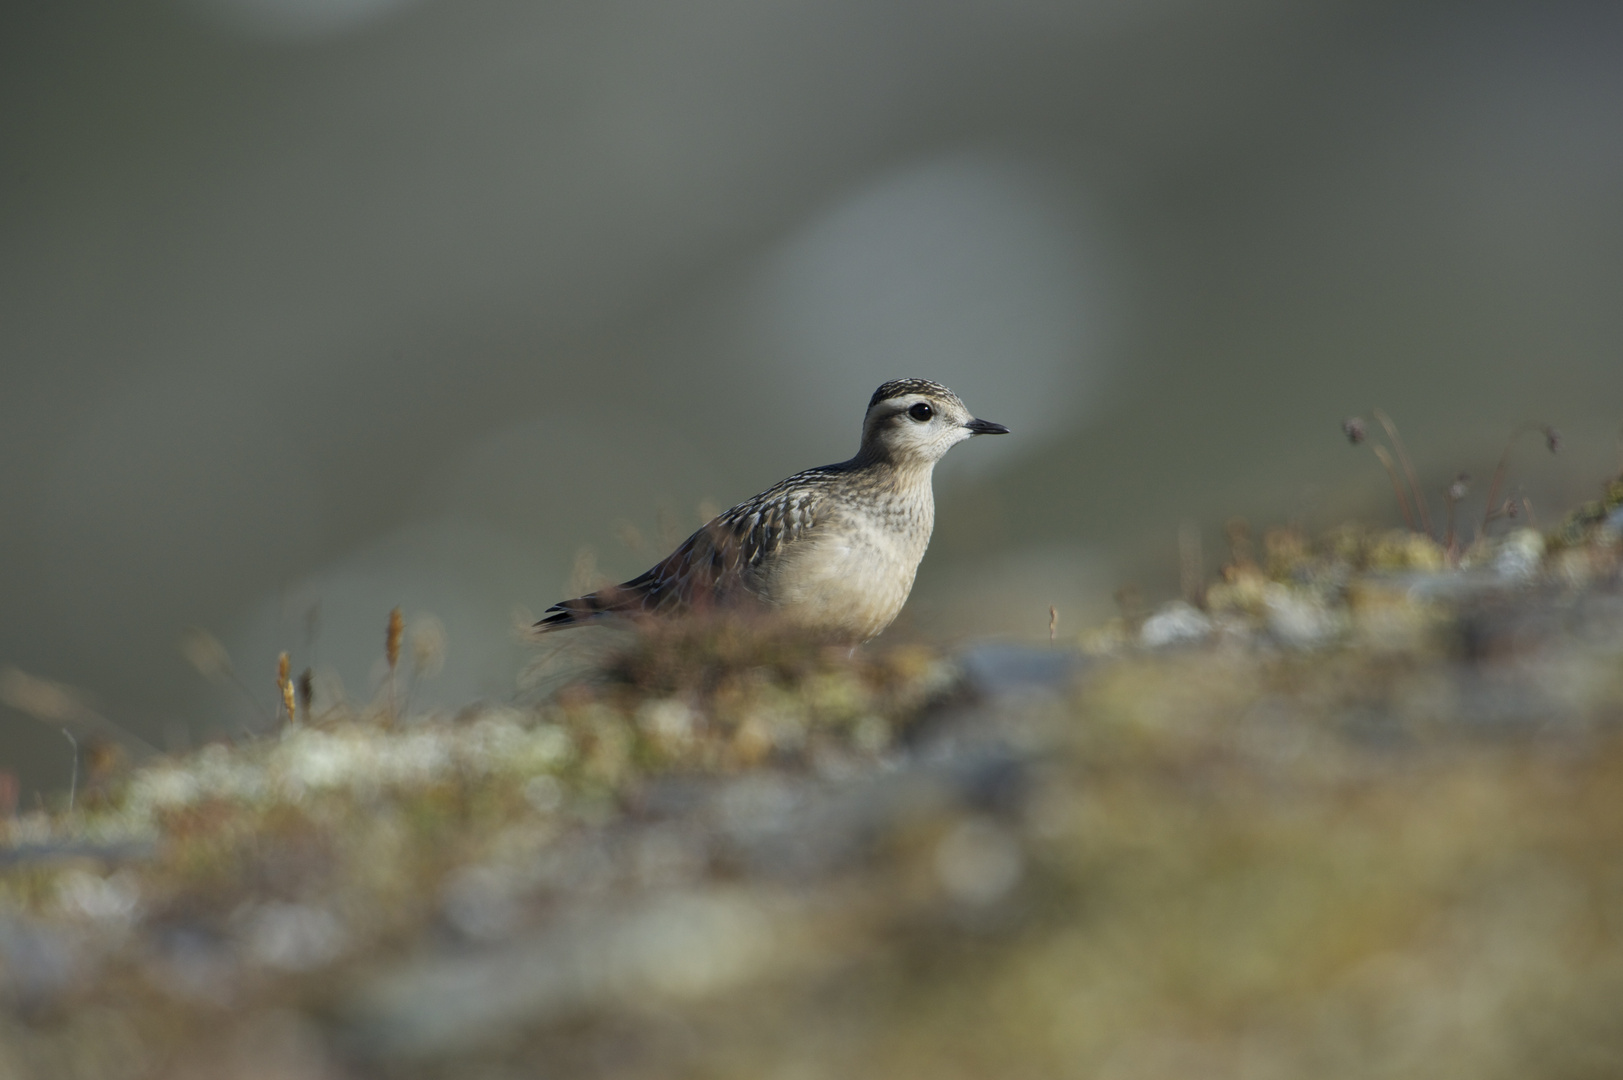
(833, 550)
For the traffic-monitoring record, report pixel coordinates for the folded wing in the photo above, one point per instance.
(720, 565)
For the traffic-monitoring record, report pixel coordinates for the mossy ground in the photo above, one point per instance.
(1364, 820)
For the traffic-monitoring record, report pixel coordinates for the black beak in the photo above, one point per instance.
(986, 427)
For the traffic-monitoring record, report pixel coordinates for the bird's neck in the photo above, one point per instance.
(875, 453)
(899, 476)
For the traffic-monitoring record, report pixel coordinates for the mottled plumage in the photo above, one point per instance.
(833, 548)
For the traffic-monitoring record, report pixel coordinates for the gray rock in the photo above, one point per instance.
(1176, 623)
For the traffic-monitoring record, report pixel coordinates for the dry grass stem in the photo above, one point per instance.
(584, 576)
(73, 774)
(668, 529)
(1408, 469)
(427, 636)
(1451, 497)
(631, 537)
(60, 706)
(204, 652)
(1191, 564)
(1397, 487)
(1552, 441)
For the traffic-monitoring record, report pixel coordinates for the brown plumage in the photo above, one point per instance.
(833, 548)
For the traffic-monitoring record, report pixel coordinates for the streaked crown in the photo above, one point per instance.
(902, 387)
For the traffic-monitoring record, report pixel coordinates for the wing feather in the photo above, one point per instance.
(719, 564)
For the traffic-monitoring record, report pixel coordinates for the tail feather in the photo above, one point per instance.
(619, 600)
(693, 577)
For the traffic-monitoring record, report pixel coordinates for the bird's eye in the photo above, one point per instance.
(921, 412)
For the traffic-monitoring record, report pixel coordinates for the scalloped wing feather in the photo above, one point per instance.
(717, 566)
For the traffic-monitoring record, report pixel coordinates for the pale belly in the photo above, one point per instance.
(851, 580)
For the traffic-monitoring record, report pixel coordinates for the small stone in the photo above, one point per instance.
(480, 902)
(544, 793)
(1175, 623)
(115, 899)
(1298, 621)
(293, 937)
(978, 862)
(1612, 527)
(669, 721)
(1520, 555)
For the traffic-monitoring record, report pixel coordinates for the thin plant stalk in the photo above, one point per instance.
(411, 690)
(1191, 564)
(73, 776)
(205, 653)
(1499, 471)
(1452, 496)
(1397, 485)
(1408, 468)
(248, 695)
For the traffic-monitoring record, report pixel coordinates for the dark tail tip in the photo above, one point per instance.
(558, 617)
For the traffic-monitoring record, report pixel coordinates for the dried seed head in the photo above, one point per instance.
(1552, 439)
(584, 578)
(427, 645)
(631, 537)
(103, 758)
(1353, 428)
(391, 641)
(1239, 537)
(204, 652)
(285, 684)
(45, 701)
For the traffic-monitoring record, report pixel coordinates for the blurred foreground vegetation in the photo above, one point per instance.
(1354, 811)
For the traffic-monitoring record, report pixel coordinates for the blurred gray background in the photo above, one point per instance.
(357, 303)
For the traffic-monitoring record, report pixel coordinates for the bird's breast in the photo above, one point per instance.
(852, 575)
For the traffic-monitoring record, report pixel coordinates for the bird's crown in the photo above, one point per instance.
(899, 387)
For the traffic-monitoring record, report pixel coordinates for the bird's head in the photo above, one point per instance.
(915, 422)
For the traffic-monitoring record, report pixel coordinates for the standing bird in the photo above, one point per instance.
(833, 549)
